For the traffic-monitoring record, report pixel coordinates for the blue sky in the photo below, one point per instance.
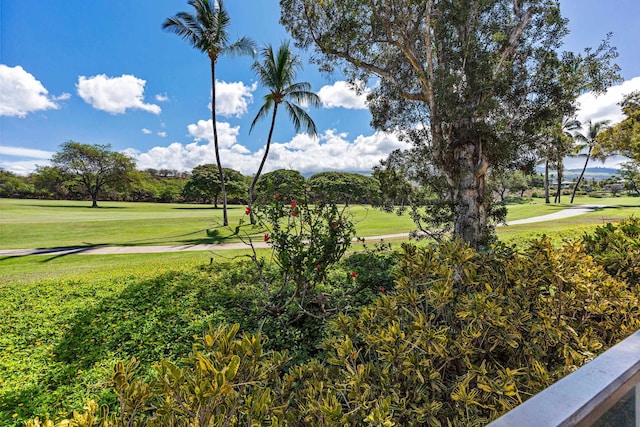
(104, 72)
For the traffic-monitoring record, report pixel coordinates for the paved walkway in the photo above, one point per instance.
(114, 250)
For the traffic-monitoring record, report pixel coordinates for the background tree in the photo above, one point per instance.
(587, 141)
(205, 186)
(343, 187)
(15, 186)
(630, 171)
(479, 76)
(503, 181)
(278, 73)
(395, 188)
(624, 137)
(284, 184)
(207, 31)
(94, 168)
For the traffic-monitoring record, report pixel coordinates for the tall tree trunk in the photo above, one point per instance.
(581, 174)
(546, 182)
(94, 200)
(225, 219)
(252, 188)
(559, 184)
(470, 206)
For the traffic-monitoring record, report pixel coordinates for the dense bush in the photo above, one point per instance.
(464, 337)
(617, 248)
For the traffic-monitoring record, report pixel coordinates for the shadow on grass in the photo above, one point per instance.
(151, 319)
(87, 207)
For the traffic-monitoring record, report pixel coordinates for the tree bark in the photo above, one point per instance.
(225, 220)
(470, 206)
(252, 188)
(573, 195)
(546, 182)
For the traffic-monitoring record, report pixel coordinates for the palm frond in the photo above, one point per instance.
(300, 118)
(263, 112)
(243, 46)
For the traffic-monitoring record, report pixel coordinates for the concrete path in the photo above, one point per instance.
(114, 250)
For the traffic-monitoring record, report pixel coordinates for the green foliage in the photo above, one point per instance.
(204, 186)
(463, 337)
(617, 248)
(624, 137)
(307, 240)
(289, 184)
(343, 187)
(94, 168)
(227, 380)
(14, 186)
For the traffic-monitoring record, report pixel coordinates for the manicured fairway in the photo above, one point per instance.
(51, 224)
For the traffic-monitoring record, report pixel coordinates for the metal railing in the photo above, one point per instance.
(604, 392)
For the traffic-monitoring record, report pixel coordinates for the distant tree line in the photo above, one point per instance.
(95, 172)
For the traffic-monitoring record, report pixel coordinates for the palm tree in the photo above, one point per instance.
(207, 32)
(588, 142)
(277, 73)
(562, 144)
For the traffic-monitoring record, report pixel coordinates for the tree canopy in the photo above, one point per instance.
(94, 167)
(625, 136)
(469, 82)
(205, 186)
(343, 187)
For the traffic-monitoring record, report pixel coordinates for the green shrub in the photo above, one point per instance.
(466, 336)
(463, 338)
(617, 248)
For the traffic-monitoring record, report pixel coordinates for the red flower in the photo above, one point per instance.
(294, 213)
(247, 211)
(266, 237)
(382, 289)
(277, 196)
(294, 203)
(318, 267)
(353, 274)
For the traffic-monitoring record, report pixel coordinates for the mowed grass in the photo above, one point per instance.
(614, 209)
(54, 224)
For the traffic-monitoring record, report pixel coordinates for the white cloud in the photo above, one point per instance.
(115, 94)
(203, 130)
(25, 152)
(162, 134)
(233, 99)
(342, 95)
(147, 131)
(162, 97)
(22, 94)
(22, 167)
(604, 107)
(330, 151)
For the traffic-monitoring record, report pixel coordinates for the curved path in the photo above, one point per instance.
(114, 250)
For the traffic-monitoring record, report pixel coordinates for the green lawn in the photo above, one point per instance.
(49, 224)
(571, 228)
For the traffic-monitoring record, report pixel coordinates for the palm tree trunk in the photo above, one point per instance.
(252, 195)
(581, 174)
(546, 182)
(225, 221)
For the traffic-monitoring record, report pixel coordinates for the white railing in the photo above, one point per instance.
(604, 392)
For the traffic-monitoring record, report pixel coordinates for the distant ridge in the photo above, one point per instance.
(597, 173)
